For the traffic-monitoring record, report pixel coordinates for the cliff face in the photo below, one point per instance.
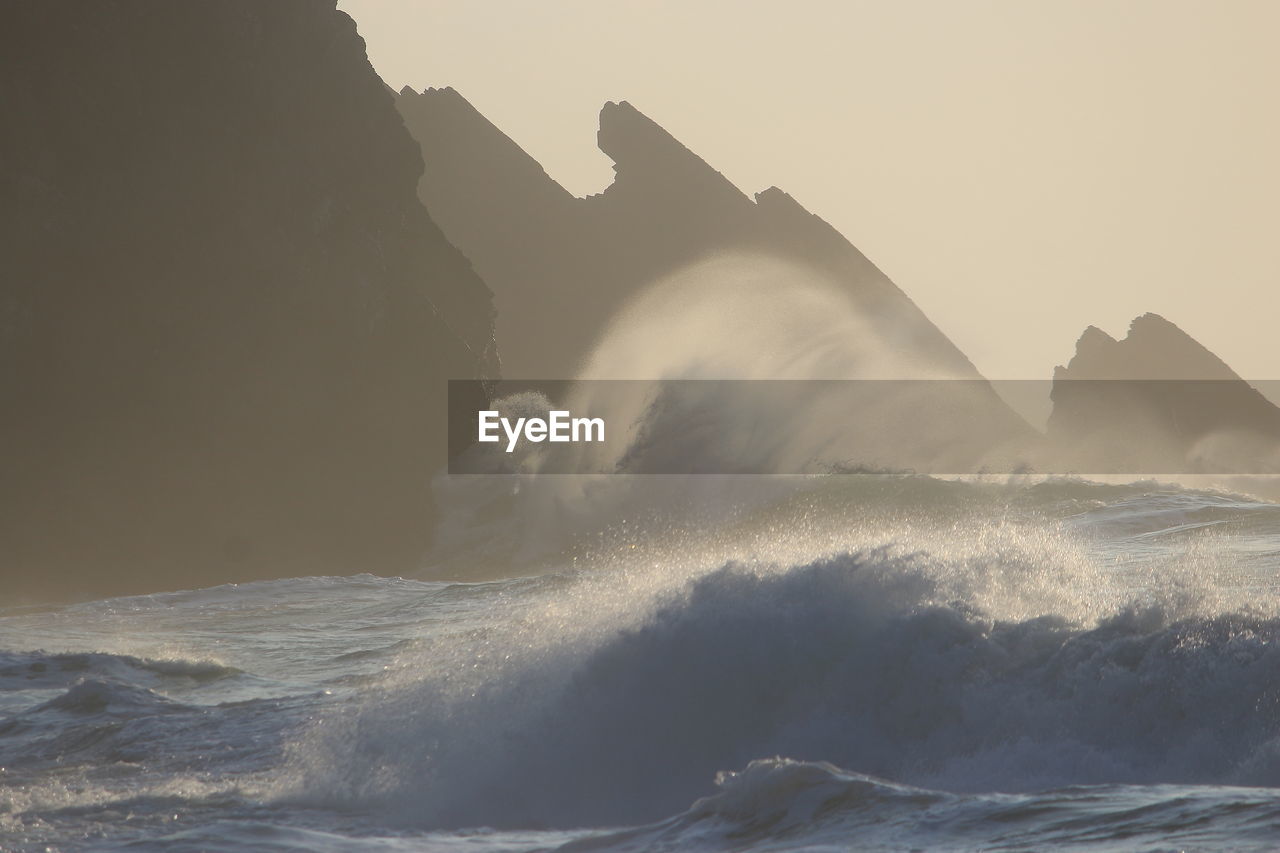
(1158, 402)
(226, 320)
(561, 267)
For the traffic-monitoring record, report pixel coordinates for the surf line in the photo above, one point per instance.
(558, 426)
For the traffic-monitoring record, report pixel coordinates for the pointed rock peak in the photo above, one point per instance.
(1153, 325)
(782, 210)
(622, 118)
(1092, 349)
(440, 94)
(775, 197)
(1184, 356)
(444, 104)
(625, 132)
(467, 157)
(623, 108)
(434, 94)
(644, 153)
(442, 112)
(1093, 336)
(1151, 318)
(1154, 348)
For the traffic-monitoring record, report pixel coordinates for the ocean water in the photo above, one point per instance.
(871, 663)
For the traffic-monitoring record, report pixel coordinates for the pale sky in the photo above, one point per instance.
(1021, 168)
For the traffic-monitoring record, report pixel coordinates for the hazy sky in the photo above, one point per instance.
(1021, 169)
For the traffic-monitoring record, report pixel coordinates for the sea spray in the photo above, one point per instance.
(971, 651)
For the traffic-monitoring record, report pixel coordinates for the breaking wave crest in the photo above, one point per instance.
(586, 712)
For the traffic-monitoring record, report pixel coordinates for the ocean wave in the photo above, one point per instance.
(93, 721)
(98, 697)
(866, 659)
(38, 669)
(784, 805)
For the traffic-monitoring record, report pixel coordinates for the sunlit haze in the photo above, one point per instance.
(1021, 170)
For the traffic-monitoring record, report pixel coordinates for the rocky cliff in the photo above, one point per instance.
(226, 320)
(561, 267)
(1157, 401)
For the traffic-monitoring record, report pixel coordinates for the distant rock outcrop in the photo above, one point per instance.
(226, 321)
(1158, 402)
(561, 267)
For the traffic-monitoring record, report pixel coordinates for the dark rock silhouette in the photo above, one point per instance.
(1155, 402)
(560, 266)
(226, 321)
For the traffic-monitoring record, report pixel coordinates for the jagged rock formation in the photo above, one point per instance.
(1159, 402)
(561, 267)
(226, 321)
